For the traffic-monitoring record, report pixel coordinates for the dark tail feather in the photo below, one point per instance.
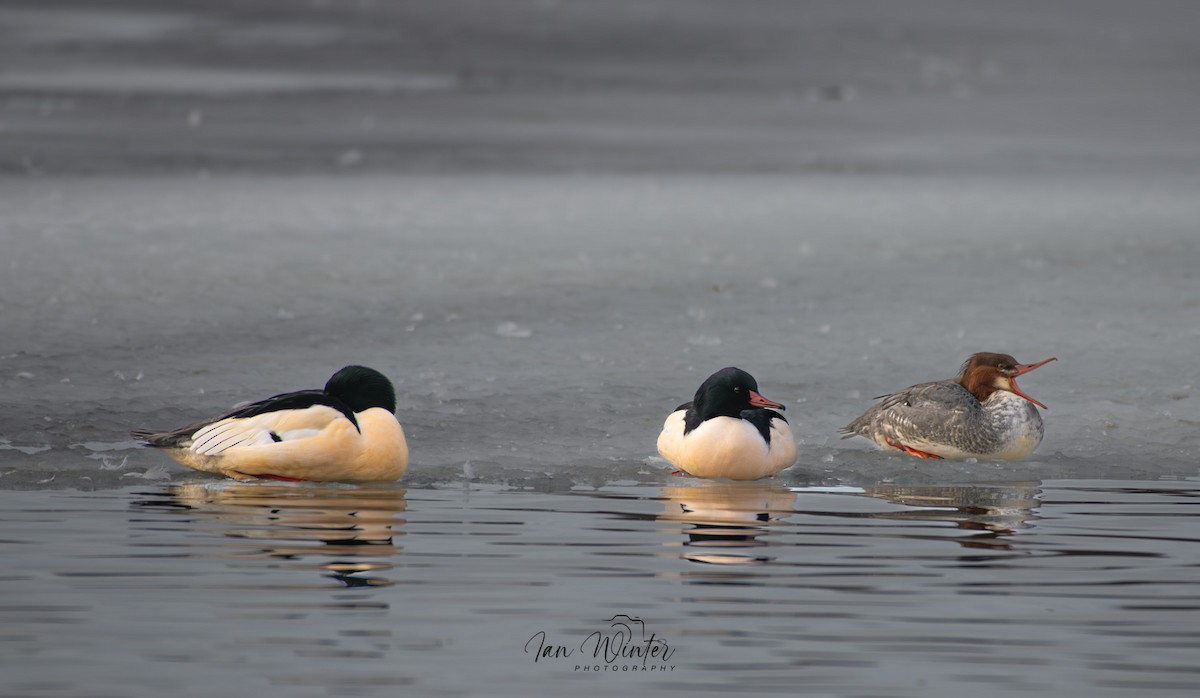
(155, 439)
(853, 429)
(143, 435)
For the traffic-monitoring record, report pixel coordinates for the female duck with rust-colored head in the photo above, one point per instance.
(980, 414)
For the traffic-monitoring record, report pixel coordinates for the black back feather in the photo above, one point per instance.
(352, 389)
(298, 400)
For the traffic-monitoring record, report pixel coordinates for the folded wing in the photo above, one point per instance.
(263, 429)
(936, 410)
(283, 417)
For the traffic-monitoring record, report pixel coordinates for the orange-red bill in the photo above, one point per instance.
(1026, 368)
(759, 401)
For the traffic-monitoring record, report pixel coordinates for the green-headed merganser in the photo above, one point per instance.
(728, 430)
(348, 431)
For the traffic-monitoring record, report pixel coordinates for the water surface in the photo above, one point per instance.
(1065, 587)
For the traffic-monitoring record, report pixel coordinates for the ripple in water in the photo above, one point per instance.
(753, 587)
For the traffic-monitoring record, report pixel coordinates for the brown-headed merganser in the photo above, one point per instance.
(980, 414)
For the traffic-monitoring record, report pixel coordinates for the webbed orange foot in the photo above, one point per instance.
(912, 451)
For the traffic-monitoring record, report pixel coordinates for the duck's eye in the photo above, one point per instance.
(737, 389)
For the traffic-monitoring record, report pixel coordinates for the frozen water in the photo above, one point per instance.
(181, 282)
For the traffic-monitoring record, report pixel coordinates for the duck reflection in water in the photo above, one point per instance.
(727, 523)
(994, 512)
(350, 527)
(725, 517)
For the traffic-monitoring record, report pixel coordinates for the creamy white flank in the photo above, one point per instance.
(218, 437)
(726, 447)
(318, 443)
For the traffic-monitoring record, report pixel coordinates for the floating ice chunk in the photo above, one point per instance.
(513, 331)
(154, 472)
(106, 464)
(830, 489)
(6, 445)
(105, 446)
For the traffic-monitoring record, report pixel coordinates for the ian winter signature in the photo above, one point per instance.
(623, 646)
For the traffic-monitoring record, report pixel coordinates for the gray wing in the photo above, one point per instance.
(924, 412)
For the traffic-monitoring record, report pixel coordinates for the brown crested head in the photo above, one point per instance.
(985, 373)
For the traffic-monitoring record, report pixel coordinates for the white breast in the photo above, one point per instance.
(1017, 423)
(726, 447)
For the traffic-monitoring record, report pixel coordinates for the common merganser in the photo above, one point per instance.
(728, 430)
(348, 431)
(980, 414)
